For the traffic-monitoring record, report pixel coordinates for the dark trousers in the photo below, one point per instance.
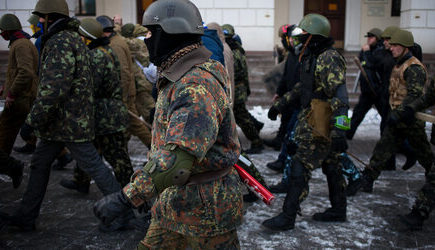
(46, 151)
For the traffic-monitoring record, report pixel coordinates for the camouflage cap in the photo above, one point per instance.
(228, 30)
(33, 19)
(127, 30)
(10, 22)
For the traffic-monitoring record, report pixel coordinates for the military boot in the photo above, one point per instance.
(353, 186)
(258, 125)
(411, 157)
(413, 221)
(256, 147)
(11, 167)
(62, 161)
(337, 196)
(367, 182)
(73, 185)
(280, 188)
(26, 149)
(281, 222)
(274, 143)
(277, 165)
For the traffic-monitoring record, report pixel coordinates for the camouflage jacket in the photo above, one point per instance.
(241, 80)
(111, 114)
(64, 106)
(193, 112)
(329, 74)
(427, 100)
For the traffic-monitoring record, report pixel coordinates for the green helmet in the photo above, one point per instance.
(374, 32)
(389, 31)
(10, 22)
(228, 30)
(44, 7)
(90, 29)
(315, 24)
(174, 16)
(402, 37)
(33, 19)
(127, 30)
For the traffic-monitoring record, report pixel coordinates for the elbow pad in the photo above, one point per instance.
(177, 174)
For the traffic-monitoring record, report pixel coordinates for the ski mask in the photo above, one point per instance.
(162, 45)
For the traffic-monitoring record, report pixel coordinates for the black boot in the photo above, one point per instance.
(18, 221)
(274, 143)
(353, 186)
(337, 195)
(26, 149)
(62, 161)
(367, 183)
(11, 167)
(250, 197)
(70, 184)
(258, 125)
(256, 148)
(413, 221)
(281, 222)
(411, 157)
(279, 188)
(277, 165)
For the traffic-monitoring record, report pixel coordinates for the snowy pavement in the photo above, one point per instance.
(66, 220)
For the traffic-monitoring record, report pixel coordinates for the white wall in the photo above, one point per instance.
(253, 20)
(23, 9)
(418, 16)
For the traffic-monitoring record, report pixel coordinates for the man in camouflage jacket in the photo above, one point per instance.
(322, 82)
(111, 115)
(407, 82)
(198, 193)
(63, 112)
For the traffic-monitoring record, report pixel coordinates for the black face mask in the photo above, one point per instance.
(162, 45)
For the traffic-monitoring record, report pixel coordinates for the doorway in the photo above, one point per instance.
(334, 10)
(142, 5)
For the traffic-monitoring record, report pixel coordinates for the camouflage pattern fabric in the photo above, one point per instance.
(161, 238)
(394, 135)
(193, 112)
(113, 147)
(425, 201)
(253, 171)
(64, 107)
(111, 115)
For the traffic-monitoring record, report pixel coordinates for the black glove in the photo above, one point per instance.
(338, 141)
(273, 113)
(408, 115)
(111, 206)
(393, 118)
(291, 146)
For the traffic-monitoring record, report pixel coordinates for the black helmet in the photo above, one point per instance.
(106, 22)
(174, 16)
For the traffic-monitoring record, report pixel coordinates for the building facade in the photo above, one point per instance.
(257, 21)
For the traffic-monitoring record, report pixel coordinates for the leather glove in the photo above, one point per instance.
(291, 146)
(273, 113)
(408, 115)
(111, 207)
(393, 118)
(338, 141)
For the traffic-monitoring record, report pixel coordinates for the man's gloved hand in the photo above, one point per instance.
(338, 141)
(408, 115)
(111, 206)
(393, 118)
(273, 113)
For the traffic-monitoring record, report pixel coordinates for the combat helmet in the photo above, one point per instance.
(315, 24)
(389, 31)
(174, 16)
(90, 28)
(402, 37)
(228, 30)
(374, 32)
(33, 19)
(10, 22)
(44, 7)
(106, 22)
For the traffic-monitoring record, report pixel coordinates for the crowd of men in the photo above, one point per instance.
(181, 87)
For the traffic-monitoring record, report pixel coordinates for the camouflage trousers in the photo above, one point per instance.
(113, 147)
(313, 154)
(391, 140)
(425, 201)
(160, 238)
(144, 103)
(246, 122)
(11, 120)
(136, 127)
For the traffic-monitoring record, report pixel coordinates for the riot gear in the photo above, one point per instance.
(315, 24)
